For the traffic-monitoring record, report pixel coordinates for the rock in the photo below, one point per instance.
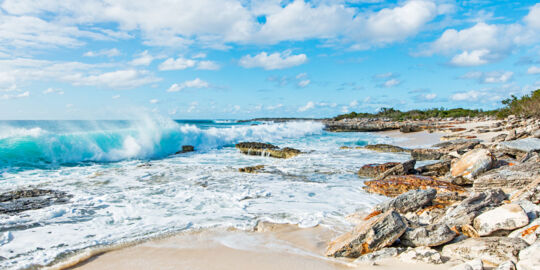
(508, 178)
(30, 199)
(524, 145)
(459, 143)
(499, 138)
(429, 236)
(408, 201)
(394, 185)
(379, 255)
(435, 169)
(491, 250)
(251, 169)
(185, 149)
(508, 265)
(464, 212)
(426, 154)
(505, 217)
(374, 170)
(410, 128)
(529, 233)
(376, 233)
(421, 254)
(532, 209)
(404, 168)
(529, 258)
(385, 148)
(363, 125)
(470, 265)
(472, 164)
(266, 149)
(536, 134)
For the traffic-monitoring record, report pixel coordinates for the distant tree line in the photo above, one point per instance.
(527, 106)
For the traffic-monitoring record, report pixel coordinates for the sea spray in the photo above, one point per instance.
(68, 142)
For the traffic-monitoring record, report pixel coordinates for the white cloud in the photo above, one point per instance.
(533, 70)
(473, 58)
(391, 83)
(143, 59)
(468, 96)
(179, 63)
(533, 17)
(199, 56)
(303, 83)
(353, 103)
(273, 61)
(119, 79)
(53, 91)
(115, 97)
(274, 107)
(310, 105)
(15, 96)
(109, 53)
(489, 77)
(153, 101)
(196, 83)
(207, 65)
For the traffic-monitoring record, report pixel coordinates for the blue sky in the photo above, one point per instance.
(200, 59)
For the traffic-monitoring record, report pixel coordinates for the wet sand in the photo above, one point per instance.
(274, 247)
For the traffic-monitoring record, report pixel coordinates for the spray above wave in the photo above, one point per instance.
(149, 138)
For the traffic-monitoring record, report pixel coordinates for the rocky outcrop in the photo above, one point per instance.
(528, 257)
(360, 125)
(472, 164)
(373, 170)
(378, 232)
(508, 178)
(385, 148)
(252, 169)
(410, 128)
(421, 254)
(435, 169)
(427, 154)
(404, 168)
(186, 149)
(29, 199)
(523, 145)
(407, 202)
(464, 212)
(429, 236)
(394, 185)
(491, 250)
(266, 149)
(505, 217)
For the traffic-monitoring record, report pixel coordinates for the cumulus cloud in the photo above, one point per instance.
(119, 79)
(207, 65)
(390, 83)
(303, 83)
(272, 61)
(533, 70)
(489, 77)
(179, 63)
(469, 96)
(196, 83)
(473, 58)
(53, 91)
(15, 96)
(107, 52)
(310, 105)
(153, 101)
(142, 59)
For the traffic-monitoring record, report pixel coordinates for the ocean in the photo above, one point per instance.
(128, 184)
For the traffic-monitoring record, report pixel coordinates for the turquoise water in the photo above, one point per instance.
(128, 184)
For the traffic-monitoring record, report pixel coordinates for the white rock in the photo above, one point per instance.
(491, 250)
(472, 164)
(505, 217)
(508, 265)
(470, 265)
(529, 233)
(421, 254)
(529, 258)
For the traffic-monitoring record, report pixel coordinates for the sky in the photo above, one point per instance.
(239, 59)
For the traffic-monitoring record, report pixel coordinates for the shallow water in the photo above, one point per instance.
(127, 184)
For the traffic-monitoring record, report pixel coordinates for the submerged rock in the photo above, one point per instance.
(464, 212)
(30, 199)
(505, 217)
(373, 170)
(409, 201)
(430, 236)
(385, 148)
(508, 178)
(491, 250)
(394, 185)
(378, 232)
(472, 164)
(251, 169)
(266, 149)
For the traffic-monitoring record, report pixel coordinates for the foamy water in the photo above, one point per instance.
(126, 185)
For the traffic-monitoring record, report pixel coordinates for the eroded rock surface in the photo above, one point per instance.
(266, 149)
(421, 254)
(508, 178)
(491, 250)
(385, 148)
(429, 236)
(30, 199)
(409, 201)
(394, 185)
(464, 212)
(472, 164)
(504, 217)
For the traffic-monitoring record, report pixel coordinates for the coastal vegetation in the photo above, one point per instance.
(526, 106)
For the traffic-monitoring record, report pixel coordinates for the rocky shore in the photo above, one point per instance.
(476, 207)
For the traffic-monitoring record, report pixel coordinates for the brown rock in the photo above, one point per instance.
(266, 149)
(385, 148)
(373, 170)
(395, 185)
(427, 154)
(435, 169)
(251, 169)
(378, 232)
(472, 164)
